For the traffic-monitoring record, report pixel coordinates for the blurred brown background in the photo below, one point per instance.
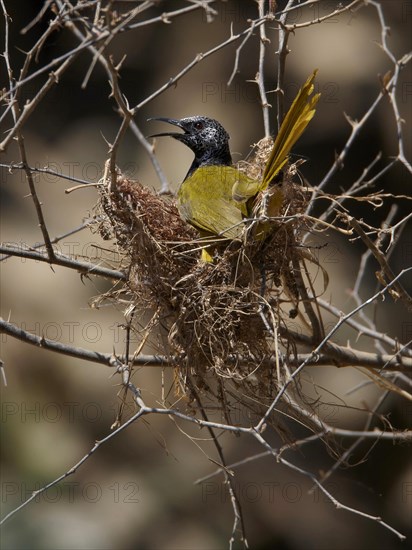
(138, 491)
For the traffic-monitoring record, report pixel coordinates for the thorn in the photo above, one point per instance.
(351, 121)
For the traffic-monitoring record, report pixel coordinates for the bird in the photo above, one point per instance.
(216, 197)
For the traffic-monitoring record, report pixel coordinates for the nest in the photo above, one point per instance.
(226, 323)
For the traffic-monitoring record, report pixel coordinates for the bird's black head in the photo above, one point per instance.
(205, 136)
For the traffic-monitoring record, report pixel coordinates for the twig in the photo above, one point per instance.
(55, 239)
(363, 329)
(145, 410)
(108, 359)
(19, 166)
(59, 259)
(335, 355)
(326, 341)
(338, 11)
(238, 522)
(282, 53)
(386, 270)
(260, 77)
(22, 148)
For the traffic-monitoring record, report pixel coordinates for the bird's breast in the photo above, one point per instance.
(205, 200)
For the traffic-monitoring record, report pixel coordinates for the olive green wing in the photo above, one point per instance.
(245, 188)
(205, 201)
(217, 217)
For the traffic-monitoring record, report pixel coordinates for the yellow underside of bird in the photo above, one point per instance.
(217, 199)
(206, 200)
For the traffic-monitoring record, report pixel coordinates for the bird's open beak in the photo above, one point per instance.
(173, 121)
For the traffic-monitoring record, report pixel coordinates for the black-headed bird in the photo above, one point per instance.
(216, 197)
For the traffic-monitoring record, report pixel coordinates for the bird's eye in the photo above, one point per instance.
(199, 125)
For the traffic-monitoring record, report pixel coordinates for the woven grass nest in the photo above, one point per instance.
(227, 322)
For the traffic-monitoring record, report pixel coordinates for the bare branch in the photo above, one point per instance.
(59, 259)
(336, 355)
(280, 355)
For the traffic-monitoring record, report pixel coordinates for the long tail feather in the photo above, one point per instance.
(297, 118)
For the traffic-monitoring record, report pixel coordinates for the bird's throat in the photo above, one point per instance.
(217, 158)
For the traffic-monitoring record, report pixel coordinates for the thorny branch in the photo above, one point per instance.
(392, 360)
(343, 357)
(255, 432)
(85, 268)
